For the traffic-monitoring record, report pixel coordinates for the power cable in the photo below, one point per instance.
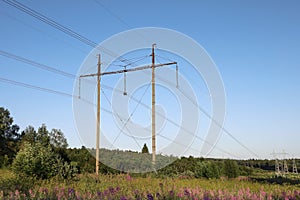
(61, 27)
(54, 70)
(118, 18)
(36, 64)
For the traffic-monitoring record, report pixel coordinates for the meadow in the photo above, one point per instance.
(38, 165)
(125, 186)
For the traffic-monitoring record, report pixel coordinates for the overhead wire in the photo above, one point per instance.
(61, 28)
(69, 75)
(36, 64)
(98, 2)
(225, 130)
(213, 120)
(121, 130)
(132, 113)
(38, 29)
(34, 87)
(210, 117)
(93, 44)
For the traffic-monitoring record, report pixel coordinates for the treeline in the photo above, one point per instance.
(44, 153)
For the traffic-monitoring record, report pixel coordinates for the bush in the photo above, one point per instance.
(11, 184)
(36, 160)
(231, 169)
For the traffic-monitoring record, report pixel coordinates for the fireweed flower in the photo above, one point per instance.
(186, 192)
(158, 195)
(150, 196)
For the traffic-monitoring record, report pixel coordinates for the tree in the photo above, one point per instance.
(8, 136)
(29, 135)
(231, 168)
(145, 149)
(57, 139)
(43, 136)
(36, 160)
(207, 169)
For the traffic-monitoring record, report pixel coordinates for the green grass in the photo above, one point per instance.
(6, 174)
(91, 184)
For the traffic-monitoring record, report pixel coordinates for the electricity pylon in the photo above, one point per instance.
(125, 70)
(285, 169)
(295, 170)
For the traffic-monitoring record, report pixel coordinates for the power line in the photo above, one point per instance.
(38, 29)
(25, 85)
(21, 84)
(131, 114)
(35, 87)
(112, 14)
(211, 118)
(69, 75)
(60, 27)
(89, 42)
(36, 64)
(56, 25)
(201, 109)
(118, 18)
(171, 121)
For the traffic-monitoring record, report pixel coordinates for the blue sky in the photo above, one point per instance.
(255, 45)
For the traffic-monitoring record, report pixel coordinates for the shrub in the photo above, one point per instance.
(231, 169)
(36, 160)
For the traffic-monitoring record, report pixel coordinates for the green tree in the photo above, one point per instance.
(207, 169)
(9, 136)
(57, 139)
(145, 149)
(36, 160)
(43, 136)
(29, 135)
(231, 169)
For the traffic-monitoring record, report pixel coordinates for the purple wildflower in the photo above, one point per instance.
(161, 185)
(111, 190)
(99, 194)
(71, 191)
(186, 192)
(158, 195)
(150, 196)
(171, 193)
(106, 192)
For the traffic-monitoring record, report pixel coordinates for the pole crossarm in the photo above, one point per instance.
(130, 70)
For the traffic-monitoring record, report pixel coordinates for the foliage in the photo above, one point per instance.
(57, 139)
(36, 160)
(145, 149)
(29, 135)
(127, 187)
(9, 136)
(231, 169)
(125, 161)
(43, 136)
(15, 183)
(85, 161)
(207, 169)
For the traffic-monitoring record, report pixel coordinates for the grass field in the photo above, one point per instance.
(124, 186)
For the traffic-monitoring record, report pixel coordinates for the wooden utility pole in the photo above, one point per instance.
(153, 107)
(98, 111)
(98, 115)
(125, 70)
